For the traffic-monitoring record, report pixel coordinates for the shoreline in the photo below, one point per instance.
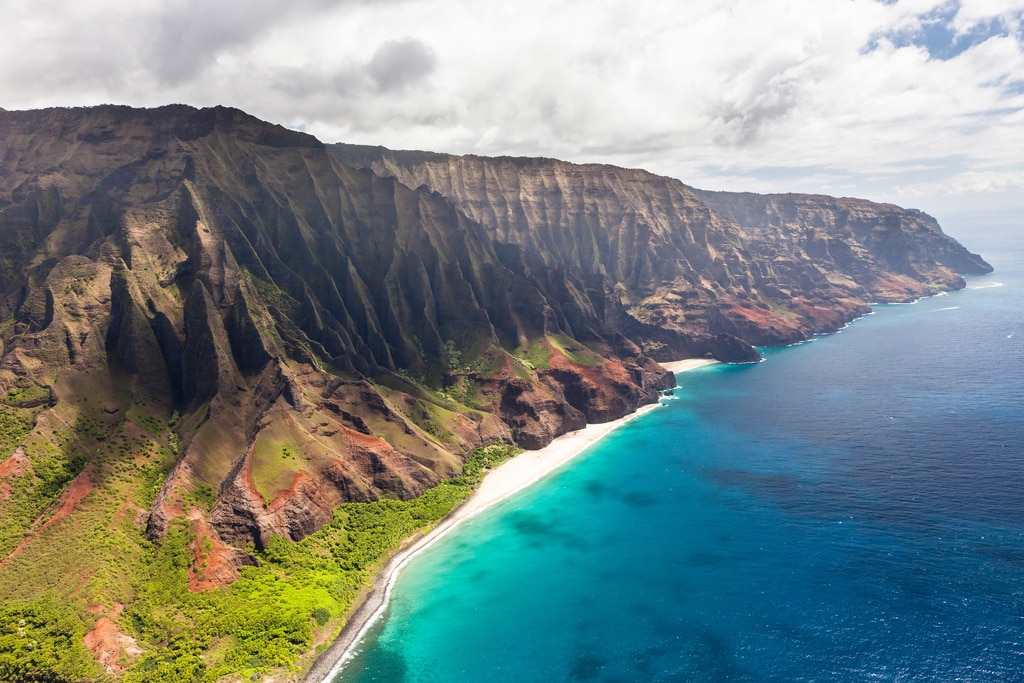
(688, 364)
(504, 481)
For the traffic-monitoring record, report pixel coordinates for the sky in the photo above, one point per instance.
(917, 102)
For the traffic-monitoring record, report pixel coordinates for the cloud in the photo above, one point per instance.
(969, 182)
(399, 63)
(1007, 14)
(952, 27)
(189, 35)
(808, 95)
(114, 46)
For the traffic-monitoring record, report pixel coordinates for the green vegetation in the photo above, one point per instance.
(452, 357)
(268, 617)
(14, 425)
(464, 391)
(275, 461)
(432, 410)
(26, 396)
(537, 355)
(89, 427)
(274, 296)
(152, 425)
(29, 495)
(432, 418)
(54, 470)
(490, 362)
(41, 640)
(203, 497)
(534, 356)
(95, 557)
(483, 459)
(576, 352)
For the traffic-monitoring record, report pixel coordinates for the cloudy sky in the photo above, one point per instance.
(920, 102)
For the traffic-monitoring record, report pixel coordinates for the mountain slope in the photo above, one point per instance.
(216, 331)
(767, 269)
(208, 263)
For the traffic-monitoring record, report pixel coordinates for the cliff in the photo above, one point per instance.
(681, 269)
(320, 334)
(214, 323)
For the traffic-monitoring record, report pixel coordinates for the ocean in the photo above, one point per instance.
(850, 509)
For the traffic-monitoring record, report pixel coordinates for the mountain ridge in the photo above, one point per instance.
(694, 260)
(215, 323)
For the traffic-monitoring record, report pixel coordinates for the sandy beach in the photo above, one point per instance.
(506, 480)
(688, 364)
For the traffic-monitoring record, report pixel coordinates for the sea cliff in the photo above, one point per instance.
(217, 333)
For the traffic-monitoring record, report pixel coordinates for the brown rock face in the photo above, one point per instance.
(535, 415)
(686, 272)
(325, 334)
(301, 332)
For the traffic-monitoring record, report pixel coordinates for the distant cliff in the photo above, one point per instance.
(210, 318)
(682, 269)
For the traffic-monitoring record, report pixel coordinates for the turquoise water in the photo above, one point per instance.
(851, 509)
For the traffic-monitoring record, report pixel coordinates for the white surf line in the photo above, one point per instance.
(504, 481)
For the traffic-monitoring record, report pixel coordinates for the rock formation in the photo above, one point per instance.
(300, 327)
(686, 272)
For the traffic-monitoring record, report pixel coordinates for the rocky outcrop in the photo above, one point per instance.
(305, 326)
(110, 646)
(877, 245)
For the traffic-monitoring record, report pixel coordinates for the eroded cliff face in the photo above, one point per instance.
(295, 332)
(681, 269)
(218, 321)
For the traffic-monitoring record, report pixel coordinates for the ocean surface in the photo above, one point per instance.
(850, 509)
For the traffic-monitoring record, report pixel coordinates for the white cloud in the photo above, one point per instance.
(812, 95)
(969, 182)
(971, 13)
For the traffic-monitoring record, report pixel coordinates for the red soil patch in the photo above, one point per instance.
(822, 316)
(72, 496)
(61, 508)
(508, 369)
(355, 438)
(896, 288)
(611, 369)
(16, 465)
(213, 563)
(760, 317)
(108, 644)
(282, 497)
(170, 504)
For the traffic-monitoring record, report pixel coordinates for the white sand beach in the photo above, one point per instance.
(509, 478)
(688, 364)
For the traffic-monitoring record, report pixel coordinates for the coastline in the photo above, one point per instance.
(504, 481)
(688, 364)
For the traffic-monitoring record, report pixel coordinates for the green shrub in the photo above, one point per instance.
(321, 616)
(42, 641)
(263, 620)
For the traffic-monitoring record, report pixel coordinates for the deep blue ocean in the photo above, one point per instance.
(850, 509)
